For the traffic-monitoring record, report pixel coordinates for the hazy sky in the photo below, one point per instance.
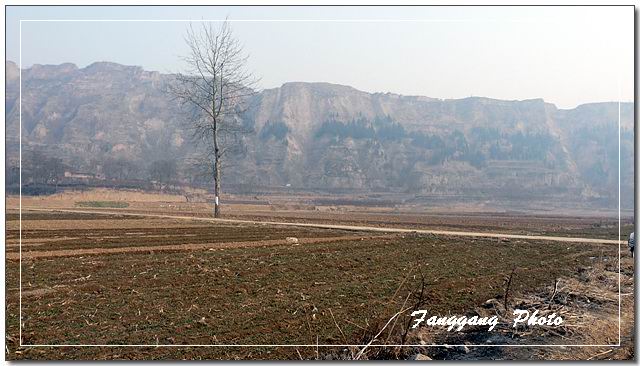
(566, 55)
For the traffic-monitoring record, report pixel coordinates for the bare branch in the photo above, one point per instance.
(213, 91)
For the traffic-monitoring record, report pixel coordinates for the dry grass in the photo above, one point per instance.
(68, 198)
(594, 298)
(588, 304)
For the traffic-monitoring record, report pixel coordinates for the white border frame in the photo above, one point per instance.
(294, 345)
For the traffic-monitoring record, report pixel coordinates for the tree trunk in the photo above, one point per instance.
(216, 171)
(216, 191)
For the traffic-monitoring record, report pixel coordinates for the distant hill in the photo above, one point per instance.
(332, 137)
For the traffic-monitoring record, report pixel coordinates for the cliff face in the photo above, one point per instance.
(326, 136)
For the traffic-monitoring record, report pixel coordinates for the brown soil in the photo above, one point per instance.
(182, 247)
(116, 287)
(506, 235)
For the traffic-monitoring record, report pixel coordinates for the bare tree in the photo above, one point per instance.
(120, 169)
(163, 171)
(41, 168)
(215, 87)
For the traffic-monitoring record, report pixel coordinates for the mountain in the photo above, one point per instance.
(321, 136)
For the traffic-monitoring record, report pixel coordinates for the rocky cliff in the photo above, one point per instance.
(332, 137)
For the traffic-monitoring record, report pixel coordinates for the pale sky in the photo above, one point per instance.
(565, 55)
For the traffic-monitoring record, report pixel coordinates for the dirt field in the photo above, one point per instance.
(113, 280)
(587, 224)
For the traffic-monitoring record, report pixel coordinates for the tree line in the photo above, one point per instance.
(42, 168)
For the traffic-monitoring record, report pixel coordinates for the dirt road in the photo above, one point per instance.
(164, 248)
(343, 227)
